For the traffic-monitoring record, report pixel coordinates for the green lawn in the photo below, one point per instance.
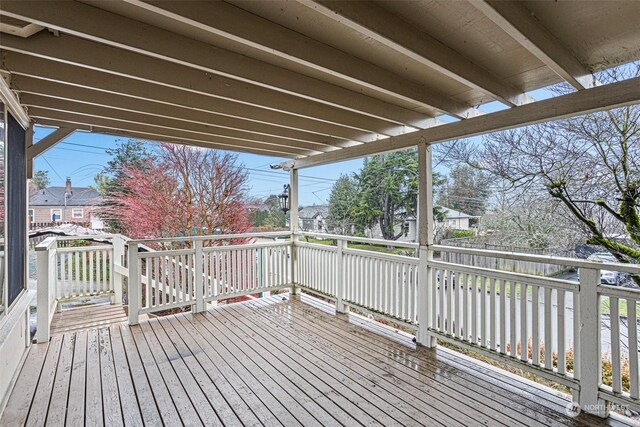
(605, 306)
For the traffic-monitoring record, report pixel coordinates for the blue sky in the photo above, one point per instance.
(82, 155)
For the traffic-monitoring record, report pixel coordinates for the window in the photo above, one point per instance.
(15, 209)
(77, 213)
(56, 215)
(32, 216)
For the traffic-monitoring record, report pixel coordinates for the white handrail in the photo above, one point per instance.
(85, 248)
(213, 237)
(544, 259)
(381, 242)
(507, 275)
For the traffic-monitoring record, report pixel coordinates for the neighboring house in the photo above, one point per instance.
(314, 218)
(458, 220)
(65, 205)
(453, 219)
(408, 229)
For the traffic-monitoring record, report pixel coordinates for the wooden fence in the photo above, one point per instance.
(511, 265)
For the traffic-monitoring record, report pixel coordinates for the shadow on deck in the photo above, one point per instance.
(268, 362)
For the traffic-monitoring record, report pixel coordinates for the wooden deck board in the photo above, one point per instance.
(94, 415)
(128, 399)
(90, 317)
(42, 396)
(273, 397)
(367, 371)
(346, 410)
(266, 362)
(58, 408)
(243, 400)
(77, 386)
(412, 380)
(312, 367)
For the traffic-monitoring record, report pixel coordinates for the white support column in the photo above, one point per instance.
(133, 293)
(198, 277)
(117, 261)
(46, 273)
(425, 239)
(340, 308)
(293, 225)
(590, 372)
(44, 292)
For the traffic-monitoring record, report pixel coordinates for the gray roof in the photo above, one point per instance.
(310, 212)
(54, 196)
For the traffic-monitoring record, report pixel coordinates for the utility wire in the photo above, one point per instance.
(52, 168)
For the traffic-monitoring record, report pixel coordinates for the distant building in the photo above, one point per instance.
(453, 219)
(458, 220)
(65, 205)
(313, 218)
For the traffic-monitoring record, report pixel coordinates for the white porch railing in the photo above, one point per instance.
(67, 272)
(623, 318)
(206, 270)
(515, 316)
(567, 331)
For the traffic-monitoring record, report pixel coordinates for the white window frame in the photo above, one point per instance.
(73, 213)
(31, 213)
(59, 215)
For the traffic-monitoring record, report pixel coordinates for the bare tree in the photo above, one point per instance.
(590, 164)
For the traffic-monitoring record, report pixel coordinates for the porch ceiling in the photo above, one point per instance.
(316, 81)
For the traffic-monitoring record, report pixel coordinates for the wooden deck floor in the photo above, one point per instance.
(90, 317)
(266, 362)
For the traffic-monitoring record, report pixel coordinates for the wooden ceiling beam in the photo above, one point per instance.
(371, 20)
(231, 22)
(516, 20)
(79, 19)
(92, 55)
(151, 137)
(26, 86)
(20, 65)
(71, 106)
(598, 98)
(70, 118)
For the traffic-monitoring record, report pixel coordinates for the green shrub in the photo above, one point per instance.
(460, 234)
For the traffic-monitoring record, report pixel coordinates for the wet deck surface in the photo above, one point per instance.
(267, 362)
(90, 317)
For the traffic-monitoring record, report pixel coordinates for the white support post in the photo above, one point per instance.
(425, 239)
(117, 261)
(133, 293)
(44, 293)
(45, 288)
(293, 225)
(198, 277)
(340, 308)
(589, 338)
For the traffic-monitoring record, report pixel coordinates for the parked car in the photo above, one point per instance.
(608, 277)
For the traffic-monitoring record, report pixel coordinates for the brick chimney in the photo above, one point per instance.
(68, 189)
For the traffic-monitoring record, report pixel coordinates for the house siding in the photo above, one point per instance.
(43, 213)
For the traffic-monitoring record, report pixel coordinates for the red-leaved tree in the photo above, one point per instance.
(182, 191)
